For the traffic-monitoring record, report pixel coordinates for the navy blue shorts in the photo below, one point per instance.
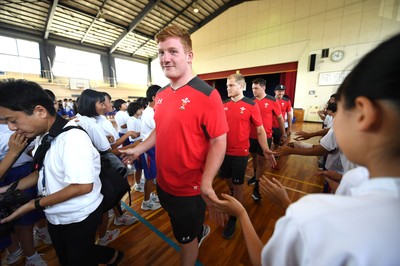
(148, 160)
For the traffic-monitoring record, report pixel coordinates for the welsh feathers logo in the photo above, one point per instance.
(184, 102)
(242, 109)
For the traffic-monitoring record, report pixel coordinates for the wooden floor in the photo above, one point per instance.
(150, 241)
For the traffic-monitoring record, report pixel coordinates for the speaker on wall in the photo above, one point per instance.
(313, 58)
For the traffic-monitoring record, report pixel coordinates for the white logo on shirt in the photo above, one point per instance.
(159, 101)
(266, 105)
(184, 102)
(196, 187)
(226, 108)
(242, 109)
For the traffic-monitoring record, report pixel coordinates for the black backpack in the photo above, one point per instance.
(113, 183)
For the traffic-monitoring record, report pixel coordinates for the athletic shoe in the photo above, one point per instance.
(118, 260)
(251, 181)
(204, 233)
(138, 187)
(150, 205)
(36, 261)
(256, 193)
(229, 229)
(110, 213)
(109, 237)
(125, 219)
(42, 235)
(154, 197)
(14, 257)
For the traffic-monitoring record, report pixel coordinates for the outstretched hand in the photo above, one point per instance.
(301, 135)
(228, 205)
(275, 191)
(215, 214)
(284, 150)
(270, 157)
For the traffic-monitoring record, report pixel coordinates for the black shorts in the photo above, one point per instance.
(234, 167)
(255, 146)
(186, 214)
(276, 135)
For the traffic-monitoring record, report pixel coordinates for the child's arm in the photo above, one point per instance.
(16, 144)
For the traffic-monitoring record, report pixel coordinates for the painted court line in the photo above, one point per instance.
(154, 229)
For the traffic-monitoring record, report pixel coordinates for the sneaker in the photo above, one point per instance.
(36, 261)
(150, 205)
(251, 181)
(256, 193)
(154, 197)
(125, 219)
(229, 229)
(42, 235)
(138, 187)
(109, 237)
(118, 260)
(204, 233)
(110, 213)
(14, 257)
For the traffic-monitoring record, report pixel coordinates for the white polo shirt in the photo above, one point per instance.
(107, 127)
(71, 159)
(121, 118)
(359, 229)
(134, 124)
(148, 123)
(94, 131)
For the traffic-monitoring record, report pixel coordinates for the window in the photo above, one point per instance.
(19, 56)
(77, 64)
(131, 72)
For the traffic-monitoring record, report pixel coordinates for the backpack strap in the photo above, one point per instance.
(55, 130)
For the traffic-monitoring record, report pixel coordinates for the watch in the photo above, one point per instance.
(337, 55)
(37, 204)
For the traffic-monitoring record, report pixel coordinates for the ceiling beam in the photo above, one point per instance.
(94, 20)
(134, 23)
(49, 20)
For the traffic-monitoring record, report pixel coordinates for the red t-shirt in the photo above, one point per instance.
(241, 116)
(269, 109)
(185, 121)
(286, 107)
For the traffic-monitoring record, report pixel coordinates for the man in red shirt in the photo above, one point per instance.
(269, 109)
(190, 136)
(242, 114)
(286, 108)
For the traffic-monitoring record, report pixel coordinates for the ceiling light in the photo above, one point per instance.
(195, 7)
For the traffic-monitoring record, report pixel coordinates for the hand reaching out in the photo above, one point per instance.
(275, 191)
(301, 135)
(209, 196)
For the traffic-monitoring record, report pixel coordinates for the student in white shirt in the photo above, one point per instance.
(362, 227)
(69, 185)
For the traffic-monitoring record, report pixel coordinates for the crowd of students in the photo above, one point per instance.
(187, 120)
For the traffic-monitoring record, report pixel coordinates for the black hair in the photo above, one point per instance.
(133, 107)
(151, 92)
(376, 76)
(260, 82)
(106, 94)
(23, 95)
(143, 102)
(50, 94)
(332, 107)
(87, 102)
(117, 104)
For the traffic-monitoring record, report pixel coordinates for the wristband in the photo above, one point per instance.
(37, 205)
